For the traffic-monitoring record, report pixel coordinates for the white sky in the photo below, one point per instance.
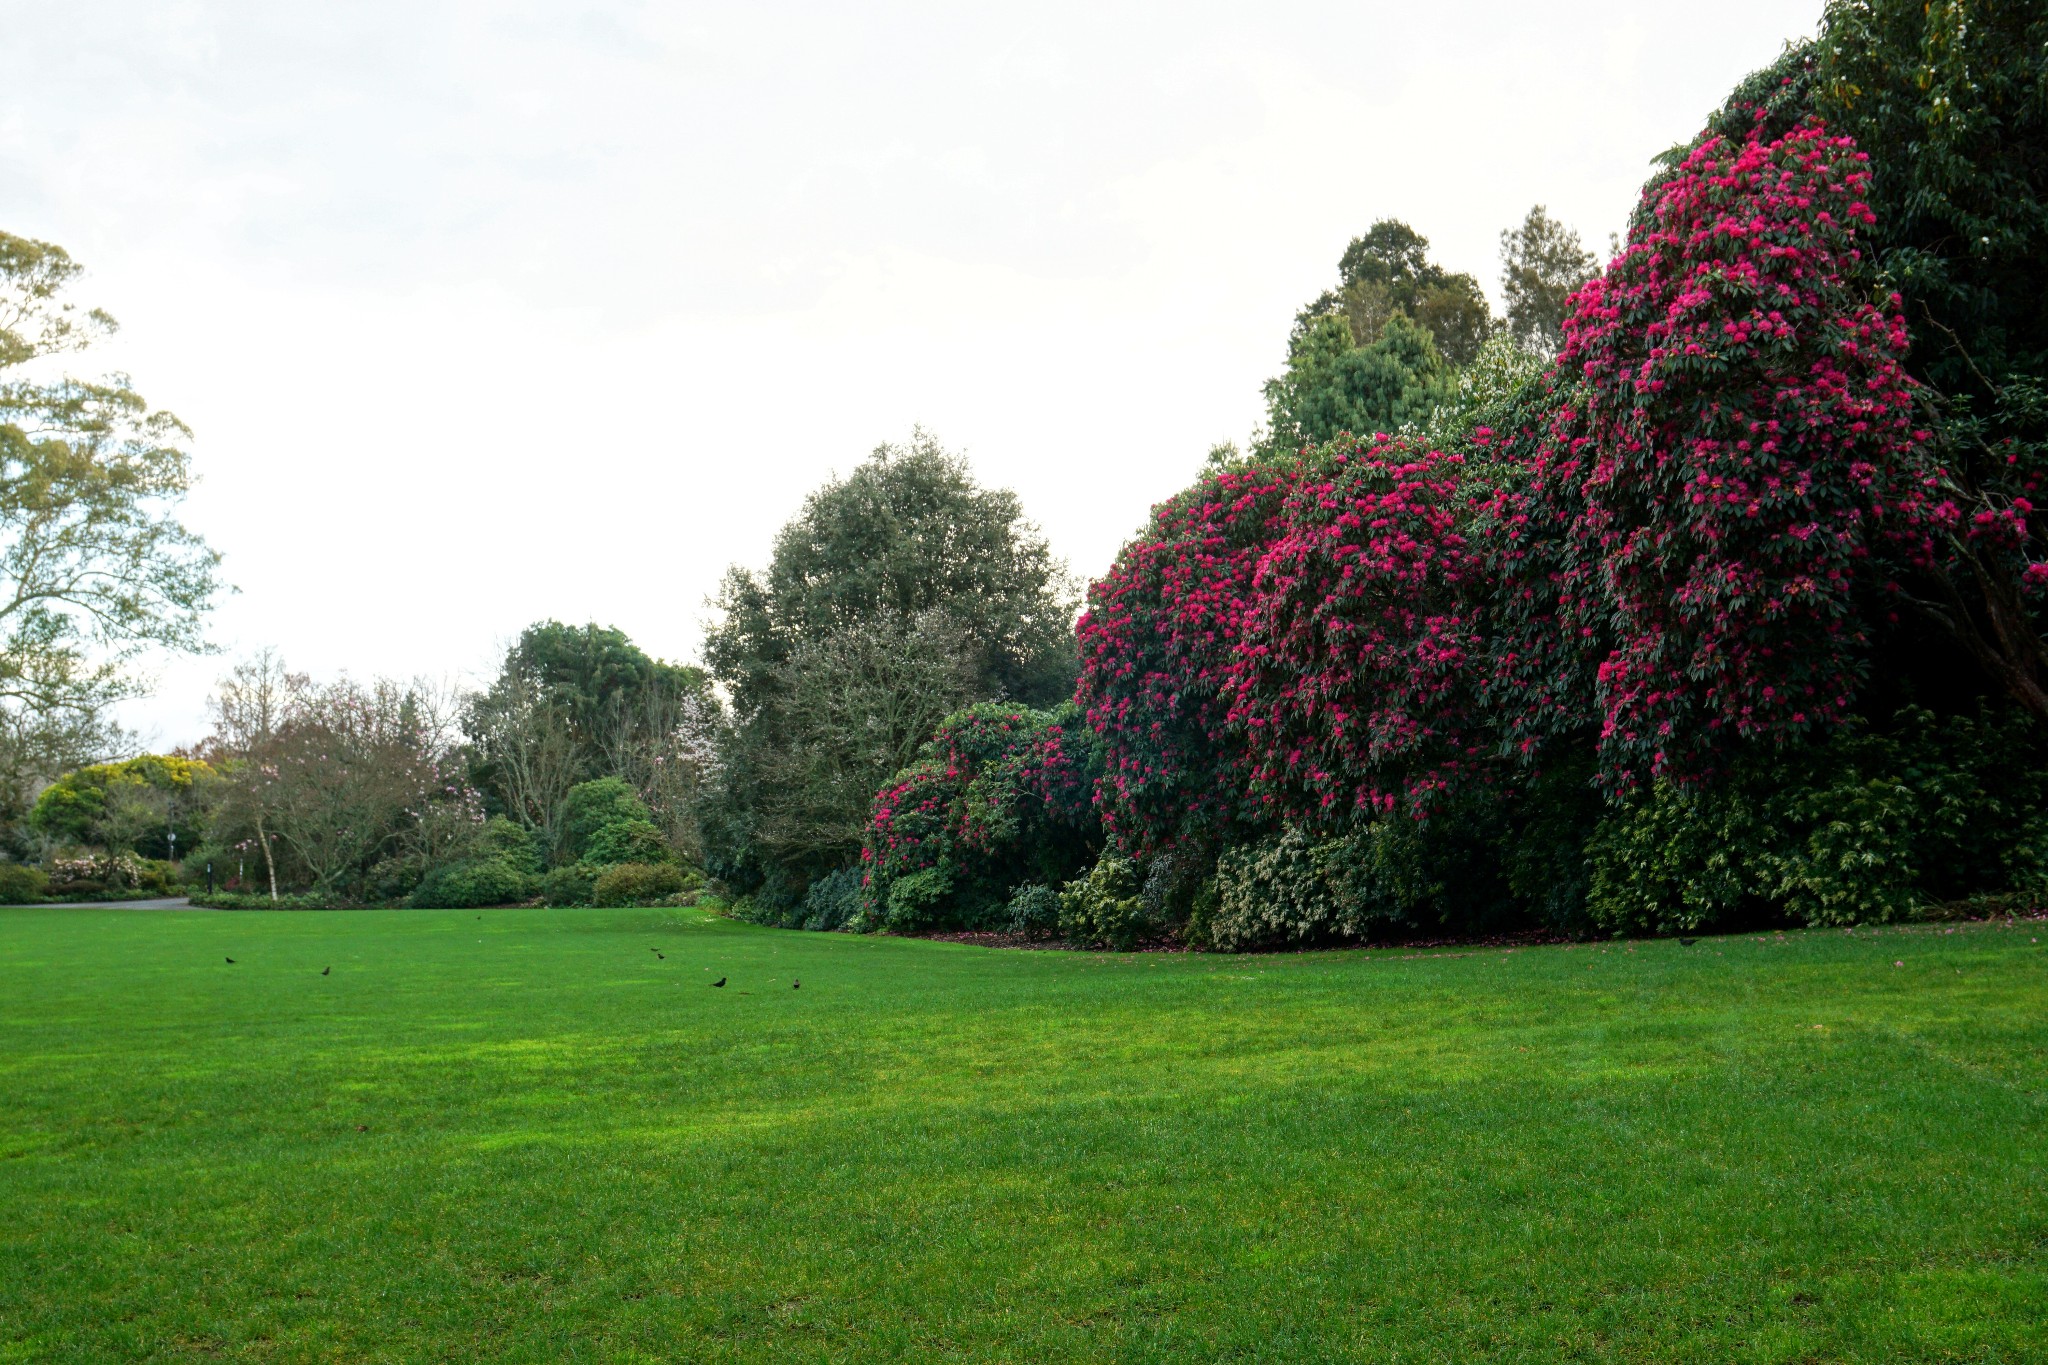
(485, 313)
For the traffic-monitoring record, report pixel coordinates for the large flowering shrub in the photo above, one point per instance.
(1698, 537)
(1354, 679)
(1002, 796)
(1697, 565)
(1748, 440)
(1158, 646)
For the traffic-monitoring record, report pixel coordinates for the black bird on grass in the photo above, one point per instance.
(795, 984)
(719, 982)
(1687, 942)
(231, 962)
(325, 970)
(660, 954)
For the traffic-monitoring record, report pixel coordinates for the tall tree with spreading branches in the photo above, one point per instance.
(95, 567)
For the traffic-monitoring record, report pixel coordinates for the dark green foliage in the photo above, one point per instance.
(1000, 796)
(1034, 910)
(627, 841)
(1283, 890)
(506, 842)
(1867, 827)
(637, 884)
(21, 885)
(1385, 876)
(897, 594)
(597, 683)
(576, 703)
(465, 886)
(1388, 272)
(593, 673)
(391, 880)
(909, 530)
(1107, 908)
(1333, 385)
(1381, 349)
(1542, 262)
(594, 809)
(568, 885)
(833, 902)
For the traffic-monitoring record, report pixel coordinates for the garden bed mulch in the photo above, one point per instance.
(988, 939)
(1934, 918)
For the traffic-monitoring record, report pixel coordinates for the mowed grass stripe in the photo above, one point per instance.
(523, 1137)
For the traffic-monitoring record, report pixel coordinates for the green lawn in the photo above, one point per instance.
(523, 1137)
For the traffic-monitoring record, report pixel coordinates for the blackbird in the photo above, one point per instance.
(231, 962)
(794, 984)
(719, 982)
(660, 954)
(1687, 942)
(325, 970)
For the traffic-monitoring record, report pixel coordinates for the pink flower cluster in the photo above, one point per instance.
(995, 784)
(1736, 444)
(1355, 674)
(1678, 547)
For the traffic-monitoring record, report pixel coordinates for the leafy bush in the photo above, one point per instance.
(569, 885)
(1107, 907)
(1001, 796)
(1034, 910)
(114, 875)
(1868, 827)
(391, 880)
(238, 900)
(21, 885)
(627, 841)
(636, 884)
(510, 844)
(1384, 875)
(591, 806)
(470, 885)
(833, 901)
(1284, 890)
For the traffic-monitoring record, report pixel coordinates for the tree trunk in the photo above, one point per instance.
(269, 863)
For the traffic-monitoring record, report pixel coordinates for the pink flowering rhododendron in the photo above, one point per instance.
(1158, 645)
(1746, 443)
(1677, 548)
(1002, 795)
(1354, 681)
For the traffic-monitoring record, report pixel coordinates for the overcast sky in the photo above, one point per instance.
(485, 313)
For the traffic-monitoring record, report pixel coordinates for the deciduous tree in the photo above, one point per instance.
(94, 565)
